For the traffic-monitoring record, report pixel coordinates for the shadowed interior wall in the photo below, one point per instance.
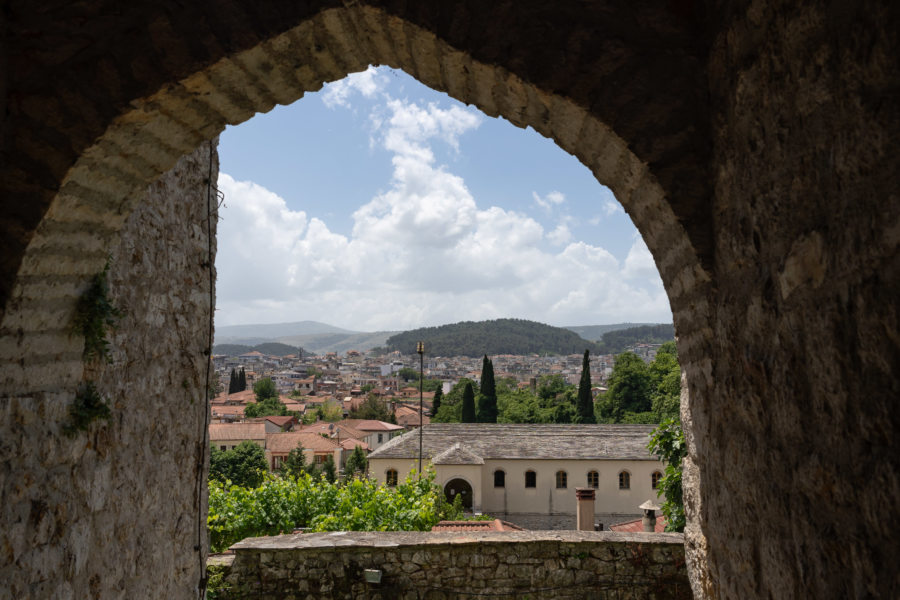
(753, 144)
(113, 511)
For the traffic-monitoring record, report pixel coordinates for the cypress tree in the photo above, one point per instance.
(242, 381)
(232, 383)
(585, 408)
(468, 404)
(487, 401)
(436, 403)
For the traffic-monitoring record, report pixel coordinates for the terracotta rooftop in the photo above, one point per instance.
(237, 431)
(282, 443)
(501, 441)
(370, 425)
(637, 526)
(495, 525)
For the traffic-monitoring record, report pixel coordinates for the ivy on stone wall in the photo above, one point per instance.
(94, 315)
(88, 406)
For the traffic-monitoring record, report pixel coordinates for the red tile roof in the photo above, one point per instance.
(237, 431)
(637, 526)
(282, 443)
(495, 525)
(370, 425)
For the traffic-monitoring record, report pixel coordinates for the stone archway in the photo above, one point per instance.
(752, 145)
(459, 487)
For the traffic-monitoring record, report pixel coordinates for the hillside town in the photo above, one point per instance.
(309, 381)
(323, 394)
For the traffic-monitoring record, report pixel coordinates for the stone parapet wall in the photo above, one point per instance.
(533, 564)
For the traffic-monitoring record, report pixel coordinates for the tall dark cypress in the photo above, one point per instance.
(436, 402)
(242, 381)
(233, 382)
(487, 401)
(468, 404)
(585, 408)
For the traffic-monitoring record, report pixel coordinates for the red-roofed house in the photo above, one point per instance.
(315, 447)
(376, 432)
(226, 436)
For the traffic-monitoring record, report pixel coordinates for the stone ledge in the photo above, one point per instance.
(390, 539)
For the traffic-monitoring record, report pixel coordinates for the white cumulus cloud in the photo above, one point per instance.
(422, 252)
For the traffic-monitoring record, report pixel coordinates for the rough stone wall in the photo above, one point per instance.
(451, 565)
(112, 512)
(754, 144)
(795, 423)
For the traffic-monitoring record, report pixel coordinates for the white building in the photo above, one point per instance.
(527, 474)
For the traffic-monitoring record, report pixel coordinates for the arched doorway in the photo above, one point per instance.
(459, 487)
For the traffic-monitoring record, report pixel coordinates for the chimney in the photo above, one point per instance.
(585, 508)
(649, 518)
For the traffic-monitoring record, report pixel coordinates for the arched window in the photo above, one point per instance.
(499, 478)
(593, 479)
(624, 480)
(654, 479)
(562, 480)
(390, 477)
(530, 479)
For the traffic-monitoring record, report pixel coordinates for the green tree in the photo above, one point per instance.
(330, 411)
(550, 386)
(667, 441)
(629, 388)
(408, 374)
(328, 469)
(357, 463)
(487, 398)
(245, 465)
(436, 401)
(242, 380)
(371, 408)
(585, 412)
(281, 504)
(265, 388)
(233, 382)
(268, 407)
(665, 383)
(468, 404)
(450, 410)
(294, 464)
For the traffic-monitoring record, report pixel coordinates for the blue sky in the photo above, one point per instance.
(378, 203)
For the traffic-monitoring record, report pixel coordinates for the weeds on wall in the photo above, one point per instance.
(88, 406)
(94, 315)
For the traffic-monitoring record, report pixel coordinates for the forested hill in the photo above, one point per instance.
(502, 336)
(614, 342)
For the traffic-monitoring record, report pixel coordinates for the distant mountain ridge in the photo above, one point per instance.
(318, 338)
(254, 334)
(499, 336)
(267, 348)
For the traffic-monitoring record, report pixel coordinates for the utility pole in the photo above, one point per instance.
(420, 348)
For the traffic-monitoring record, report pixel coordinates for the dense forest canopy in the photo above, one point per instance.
(616, 342)
(500, 336)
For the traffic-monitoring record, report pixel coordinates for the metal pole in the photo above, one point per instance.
(420, 348)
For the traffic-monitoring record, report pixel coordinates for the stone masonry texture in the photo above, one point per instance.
(103, 513)
(533, 564)
(754, 144)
